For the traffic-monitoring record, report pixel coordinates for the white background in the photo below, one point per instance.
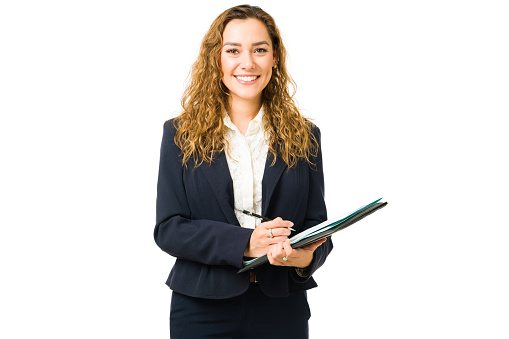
(410, 97)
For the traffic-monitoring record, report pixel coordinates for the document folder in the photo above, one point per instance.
(321, 231)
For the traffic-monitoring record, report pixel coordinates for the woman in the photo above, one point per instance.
(240, 143)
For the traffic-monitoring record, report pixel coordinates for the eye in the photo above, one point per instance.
(261, 50)
(232, 51)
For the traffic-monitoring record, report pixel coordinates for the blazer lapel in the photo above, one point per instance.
(218, 176)
(271, 176)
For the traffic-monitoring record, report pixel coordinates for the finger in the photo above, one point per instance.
(274, 223)
(274, 236)
(271, 224)
(280, 232)
(270, 256)
(275, 255)
(279, 254)
(287, 248)
(277, 223)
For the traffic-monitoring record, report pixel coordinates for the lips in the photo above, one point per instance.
(246, 78)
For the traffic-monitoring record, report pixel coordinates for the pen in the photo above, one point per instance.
(260, 217)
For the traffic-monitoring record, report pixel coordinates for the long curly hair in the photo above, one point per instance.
(200, 129)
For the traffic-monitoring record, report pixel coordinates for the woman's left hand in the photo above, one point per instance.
(283, 254)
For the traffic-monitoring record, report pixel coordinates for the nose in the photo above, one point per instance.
(247, 61)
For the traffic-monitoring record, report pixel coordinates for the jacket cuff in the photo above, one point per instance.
(303, 272)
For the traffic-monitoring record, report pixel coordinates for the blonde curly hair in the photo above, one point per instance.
(200, 129)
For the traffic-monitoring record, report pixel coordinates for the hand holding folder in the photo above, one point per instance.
(321, 231)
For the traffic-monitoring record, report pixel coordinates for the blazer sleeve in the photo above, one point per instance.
(210, 242)
(316, 211)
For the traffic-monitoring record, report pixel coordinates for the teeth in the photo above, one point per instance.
(249, 78)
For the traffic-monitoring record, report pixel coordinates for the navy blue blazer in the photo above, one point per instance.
(196, 222)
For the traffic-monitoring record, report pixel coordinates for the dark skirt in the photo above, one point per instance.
(251, 315)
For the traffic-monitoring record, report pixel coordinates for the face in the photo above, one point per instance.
(247, 58)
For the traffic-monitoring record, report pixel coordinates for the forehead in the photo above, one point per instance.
(249, 30)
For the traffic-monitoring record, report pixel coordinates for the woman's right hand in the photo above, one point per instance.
(261, 240)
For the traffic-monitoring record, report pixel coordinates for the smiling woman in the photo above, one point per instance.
(207, 97)
(262, 156)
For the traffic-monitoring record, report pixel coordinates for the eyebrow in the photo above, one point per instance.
(253, 44)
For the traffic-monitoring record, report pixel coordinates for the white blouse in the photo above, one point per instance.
(246, 159)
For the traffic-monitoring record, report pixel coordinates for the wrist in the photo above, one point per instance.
(247, 252)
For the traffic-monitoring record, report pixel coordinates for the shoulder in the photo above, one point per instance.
(314, 129)
(168, 143)
(170, 126)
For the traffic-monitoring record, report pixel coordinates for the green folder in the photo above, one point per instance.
(321, 231)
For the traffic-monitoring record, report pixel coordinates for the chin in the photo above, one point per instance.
(247, 96)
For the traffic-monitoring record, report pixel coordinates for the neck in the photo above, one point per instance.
(242, 112)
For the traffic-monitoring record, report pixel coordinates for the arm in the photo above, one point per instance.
(209, 242)
(313, 256)
(316, 210)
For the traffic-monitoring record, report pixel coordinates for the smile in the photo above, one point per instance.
(246, 78)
